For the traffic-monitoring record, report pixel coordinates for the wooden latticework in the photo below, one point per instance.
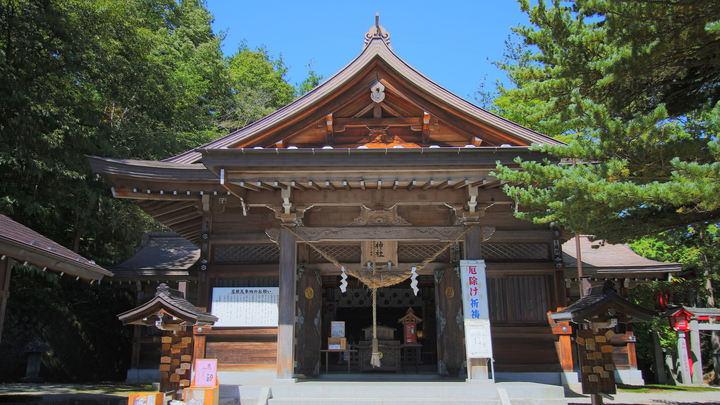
(246, 254)
(515, 251)
(347, 253)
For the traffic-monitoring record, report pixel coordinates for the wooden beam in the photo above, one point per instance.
(264, 186)
(379, 185)
(461, 184)
(138, 195)
(364, 110)
(329, 185)
(488, 184)
(411, 185)
(330, 131)
(426, 127)
(388, 121)
(362, 184)
(297, 186)
(428, 184)
(410, 233)
(390, 109)
(446, 183)
(250, 186)
(377, 111)
(313, 185)
(395, 185)
(346, 185)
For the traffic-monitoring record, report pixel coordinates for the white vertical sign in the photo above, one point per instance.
(476, 310)
(474, 289)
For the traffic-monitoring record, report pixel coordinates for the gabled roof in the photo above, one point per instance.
(600, 305)
(376, 124)
(161, 256)
(605, 258)
(170, 302)
(25, 245)
(347, 96)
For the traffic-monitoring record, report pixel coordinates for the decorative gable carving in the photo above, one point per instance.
(379, 217)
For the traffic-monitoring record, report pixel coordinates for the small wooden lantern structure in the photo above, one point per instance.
(170, 312)
(601, 309)
(679, 319)
(410, 321)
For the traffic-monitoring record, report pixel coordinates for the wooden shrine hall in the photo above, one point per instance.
(354, 203)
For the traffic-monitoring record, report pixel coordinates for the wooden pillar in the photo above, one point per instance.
(5, 269)
(697, 372)
(473, 244)
(286, 310)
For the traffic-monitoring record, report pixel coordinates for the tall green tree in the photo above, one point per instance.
(126, 79)
(635, 86)
(642, 166)
(258, 86)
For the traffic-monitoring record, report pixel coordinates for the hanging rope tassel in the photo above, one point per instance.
(375, 358)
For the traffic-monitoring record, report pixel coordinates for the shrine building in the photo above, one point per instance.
(358, 203)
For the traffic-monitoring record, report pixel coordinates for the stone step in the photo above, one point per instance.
(401, 393)
(382, 401)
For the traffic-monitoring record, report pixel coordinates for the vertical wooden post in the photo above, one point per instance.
(5, 269)
(286, 310)
(477, 369)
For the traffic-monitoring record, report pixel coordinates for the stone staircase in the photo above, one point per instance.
(318, 392)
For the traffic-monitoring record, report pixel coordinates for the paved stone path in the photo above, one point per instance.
(115, 394)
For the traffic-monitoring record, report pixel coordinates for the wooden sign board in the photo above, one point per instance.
(597, 368)
(246, 306)
(478, 342)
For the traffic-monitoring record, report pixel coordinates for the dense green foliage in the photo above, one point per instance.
(645, 163)
(140, 79)
(131, 79)
(127, 79)
(633, 87)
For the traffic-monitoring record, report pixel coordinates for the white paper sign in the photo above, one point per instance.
(478, 342)
(246, 306)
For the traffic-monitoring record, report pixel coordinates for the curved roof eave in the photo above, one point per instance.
(150, 169)
(375, 49)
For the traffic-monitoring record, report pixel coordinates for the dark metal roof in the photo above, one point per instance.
(160, 255)
(25, 245)
(609, 258)
(171, 302)
(602, 303)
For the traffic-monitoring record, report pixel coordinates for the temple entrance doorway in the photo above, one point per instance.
(399, 355)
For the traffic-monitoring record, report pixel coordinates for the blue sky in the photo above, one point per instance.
(449, 41)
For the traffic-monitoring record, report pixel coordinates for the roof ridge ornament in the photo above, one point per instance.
(377, 32)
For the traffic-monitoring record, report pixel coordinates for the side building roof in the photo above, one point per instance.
(161, 256)
(25, 245)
